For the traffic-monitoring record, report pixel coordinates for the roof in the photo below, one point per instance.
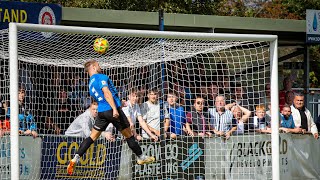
(290, 32)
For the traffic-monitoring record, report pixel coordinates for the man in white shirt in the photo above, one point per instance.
(132, 111)
(151, 113)
(222, 121)
(302, 117)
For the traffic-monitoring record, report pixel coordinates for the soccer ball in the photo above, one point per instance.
(101, 45)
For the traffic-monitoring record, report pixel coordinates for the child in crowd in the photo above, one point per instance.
(261, 121)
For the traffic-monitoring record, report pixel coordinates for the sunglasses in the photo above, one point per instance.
(200, 102)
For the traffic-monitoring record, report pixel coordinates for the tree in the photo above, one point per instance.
(170, 6)
(275, 9)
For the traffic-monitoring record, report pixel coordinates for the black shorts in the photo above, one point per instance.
(106, 117)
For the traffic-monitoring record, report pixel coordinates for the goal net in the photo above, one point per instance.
(180, 80)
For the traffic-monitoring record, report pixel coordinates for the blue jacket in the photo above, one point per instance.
(287, 123)
(26, 120)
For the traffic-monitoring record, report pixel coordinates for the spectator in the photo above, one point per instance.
(287, 86)
(225, 84)
(302, 117)
(63, 103)
(213, 93)
(27, 125)
(242, 115)
(204, 93)
(150, 111)
(61, 114)
(184, 94)
(261, 122)
(4, 123)
(198, 120)
(239, 97)
(76, 91)
(175, 117)
(222, 121)
(142, 93)
(132, 111)
(200, 74)
(289, 98)
(82, 125)
(287, 123)
(51, 126)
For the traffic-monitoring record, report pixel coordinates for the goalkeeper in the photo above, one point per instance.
(103, 91)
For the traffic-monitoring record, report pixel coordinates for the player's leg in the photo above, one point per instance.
(100, 125)
(88, 141)
(82, 149)
(122, 124)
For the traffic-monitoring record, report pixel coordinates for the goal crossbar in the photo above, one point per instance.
(144, 33)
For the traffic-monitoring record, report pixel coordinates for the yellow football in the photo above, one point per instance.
(101, 45)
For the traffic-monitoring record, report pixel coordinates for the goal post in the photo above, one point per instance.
(133, 52)
(274, 108)
(14, 125)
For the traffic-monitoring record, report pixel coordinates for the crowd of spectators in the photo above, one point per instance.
(187, 103)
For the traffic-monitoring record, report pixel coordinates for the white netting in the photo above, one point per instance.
(56, 92)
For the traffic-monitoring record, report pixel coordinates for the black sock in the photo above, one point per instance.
(84, 146)
(134, 146)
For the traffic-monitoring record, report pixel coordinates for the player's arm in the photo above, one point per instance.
(109, 98)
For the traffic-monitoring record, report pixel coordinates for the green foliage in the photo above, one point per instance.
(170, 6)
(299, 7)
(284, 9)
(313, 80)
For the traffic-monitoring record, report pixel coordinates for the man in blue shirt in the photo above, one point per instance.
(287, 123)
(103, 91)
(175, 117)
(27, 125)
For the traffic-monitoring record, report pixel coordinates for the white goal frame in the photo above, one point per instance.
(13, 54)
